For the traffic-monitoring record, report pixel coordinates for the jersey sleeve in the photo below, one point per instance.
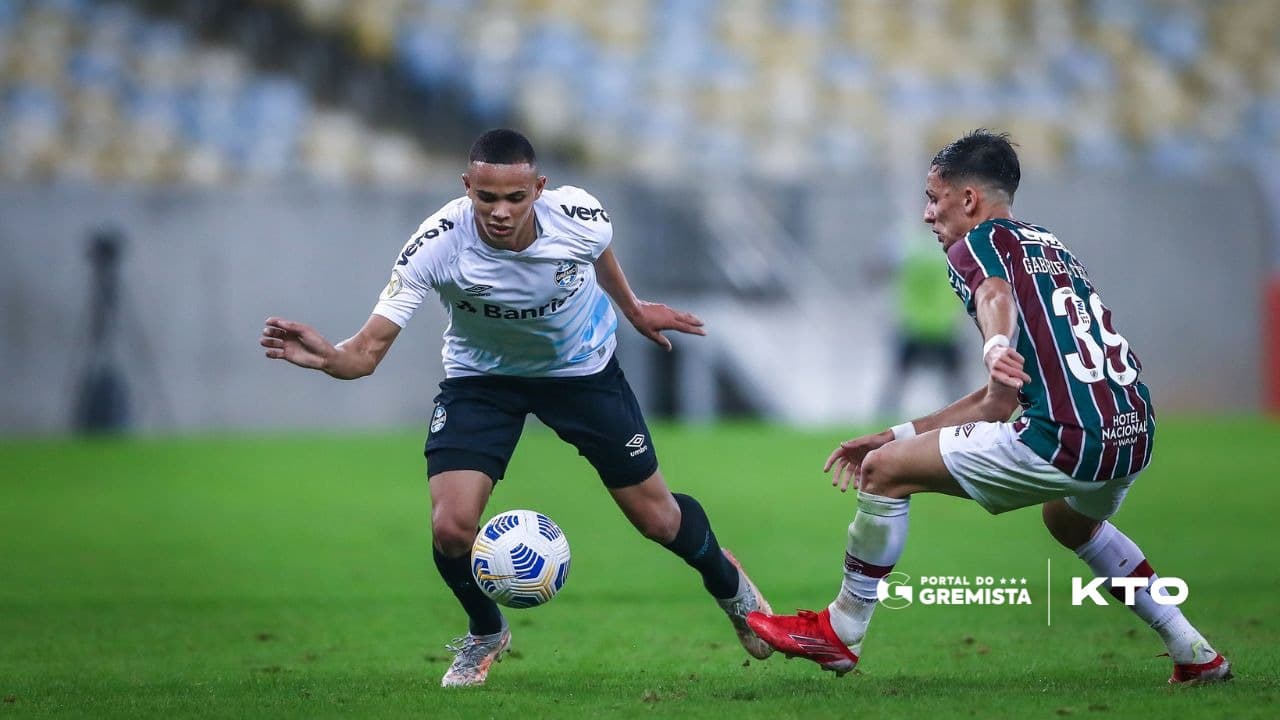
(603, 237)
(580, 215)
(417, 269)
(404, 292)
(982, 254)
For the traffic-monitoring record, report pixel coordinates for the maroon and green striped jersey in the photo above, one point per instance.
(1084, 411)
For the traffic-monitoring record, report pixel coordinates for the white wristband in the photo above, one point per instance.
(995, 341)
(903, 431)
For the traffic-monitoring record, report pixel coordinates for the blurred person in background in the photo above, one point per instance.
(926, 317)
(1084, 436)
(525, 274)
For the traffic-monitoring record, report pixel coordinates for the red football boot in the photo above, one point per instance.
(1216, 670)
(806, 634)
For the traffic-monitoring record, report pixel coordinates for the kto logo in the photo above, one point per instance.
(893, 592)
(1165, 590)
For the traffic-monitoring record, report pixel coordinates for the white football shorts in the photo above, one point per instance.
(1002, 474)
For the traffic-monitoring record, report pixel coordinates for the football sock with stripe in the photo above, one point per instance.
(483, 613)
(696, 544)
(877, 536)
(1110, 553)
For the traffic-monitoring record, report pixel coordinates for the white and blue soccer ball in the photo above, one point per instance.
(520, 558)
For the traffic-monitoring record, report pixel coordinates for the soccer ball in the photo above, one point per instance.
(520, 558)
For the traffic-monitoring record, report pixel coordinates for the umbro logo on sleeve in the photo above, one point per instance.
(638, 443)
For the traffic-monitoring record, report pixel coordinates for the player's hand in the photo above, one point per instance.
(1005, 365)
(295, 342)
(847, 458)
(650, 319)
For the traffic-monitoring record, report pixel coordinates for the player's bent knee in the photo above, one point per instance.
(452, 537)
(1068, 527)
(878, 477)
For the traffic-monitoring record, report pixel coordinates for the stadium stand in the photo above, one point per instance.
(1171, 100)
(771, 88)
(782, 88)
(101, 92)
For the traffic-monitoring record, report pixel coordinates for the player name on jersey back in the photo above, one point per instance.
(1085, 410)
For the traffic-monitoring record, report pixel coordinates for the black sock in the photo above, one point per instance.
(486, 618)
(696, 544)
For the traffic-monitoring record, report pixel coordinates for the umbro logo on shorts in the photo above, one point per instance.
(966, 428)
(637, 441)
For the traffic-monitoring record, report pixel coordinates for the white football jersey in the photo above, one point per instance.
(533, 313)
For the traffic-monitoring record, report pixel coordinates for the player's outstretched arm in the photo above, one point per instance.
(355, 357)
(649, 319)
(847, 458)
(994, 403)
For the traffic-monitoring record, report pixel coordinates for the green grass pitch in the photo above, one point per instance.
(287, 576)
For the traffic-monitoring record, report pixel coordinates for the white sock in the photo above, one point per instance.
(1110, 553)
(876, 538)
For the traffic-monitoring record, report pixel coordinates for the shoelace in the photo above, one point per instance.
(459, 644)
(469, 648)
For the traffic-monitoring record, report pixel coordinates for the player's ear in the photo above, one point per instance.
(466, 182)
(537, 187)
(972, 196)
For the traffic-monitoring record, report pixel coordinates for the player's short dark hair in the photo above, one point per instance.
(503, 147)
(982, 155)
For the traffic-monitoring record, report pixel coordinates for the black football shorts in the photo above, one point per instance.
(478, 419)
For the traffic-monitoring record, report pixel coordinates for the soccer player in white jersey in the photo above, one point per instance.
(1084, 435)
(525, 274)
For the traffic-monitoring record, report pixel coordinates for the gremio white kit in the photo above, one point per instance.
(534, 313)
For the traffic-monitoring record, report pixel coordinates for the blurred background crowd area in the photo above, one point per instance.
(213, 91)
(761, 162)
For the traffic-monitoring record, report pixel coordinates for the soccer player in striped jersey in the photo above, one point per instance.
(526, 274)
(1051, 347)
